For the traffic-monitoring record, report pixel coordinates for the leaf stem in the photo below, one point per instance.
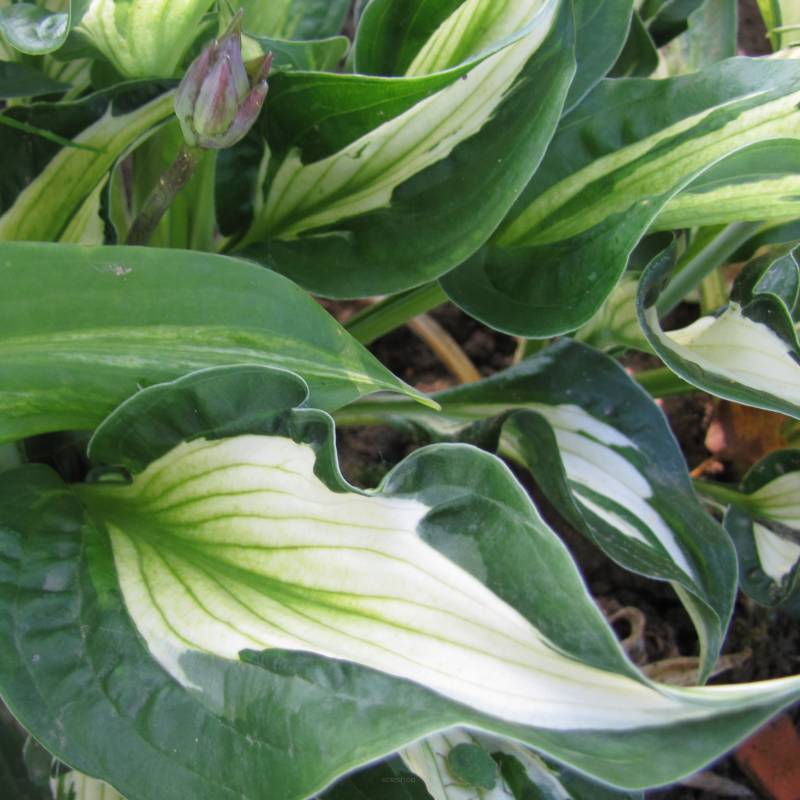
(445, 347)
(163, 194)
(394, 311)
(713, 255)
(663, 382)
(725, 494)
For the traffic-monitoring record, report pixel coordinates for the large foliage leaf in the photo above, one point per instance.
(49, 191)
(95, 675)
(614, 164)
(603, 454)
(749, 351)
(447, 164)
(118, 319)
(764, 523)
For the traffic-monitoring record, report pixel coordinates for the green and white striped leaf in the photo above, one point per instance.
(75, 785)
(443, 157)
(749, 351)
(118, 319)
(36, 28)
(392, 36)
(143, 40)
(603, 454)
(293, 19)
(759, 183)
(765, 527)
(614, 164)
(93, 675)
(50, 190)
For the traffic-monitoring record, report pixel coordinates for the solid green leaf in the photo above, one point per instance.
(603, 454)
(460, 155)
(94, 676)
(765, 527)
(614, 164)
(602, 28)
(34, 29)
(50, 192)
(294, 19)
(21, 80)
(317, 54)
(748, 351)
(639, 56)
(119, 319)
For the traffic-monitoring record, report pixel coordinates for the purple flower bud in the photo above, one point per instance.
(217, 102)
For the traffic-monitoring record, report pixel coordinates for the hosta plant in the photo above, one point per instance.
(194, 601)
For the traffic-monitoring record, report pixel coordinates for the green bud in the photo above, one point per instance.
(218, 99)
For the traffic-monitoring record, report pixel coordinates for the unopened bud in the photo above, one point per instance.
(219, 98)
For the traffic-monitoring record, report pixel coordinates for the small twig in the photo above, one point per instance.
(445, 347)
(166, 190)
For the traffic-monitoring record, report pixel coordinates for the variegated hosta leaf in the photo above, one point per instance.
(393, 36)
(603, 454)
(50, 192)
(75, 785)
(765, 526)
(749, 351)
(758, 183)
(36, 28)
(143, 40)
(616, 324)
(254, 539)
(121, 318)
(348, 188)
(612, 167)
